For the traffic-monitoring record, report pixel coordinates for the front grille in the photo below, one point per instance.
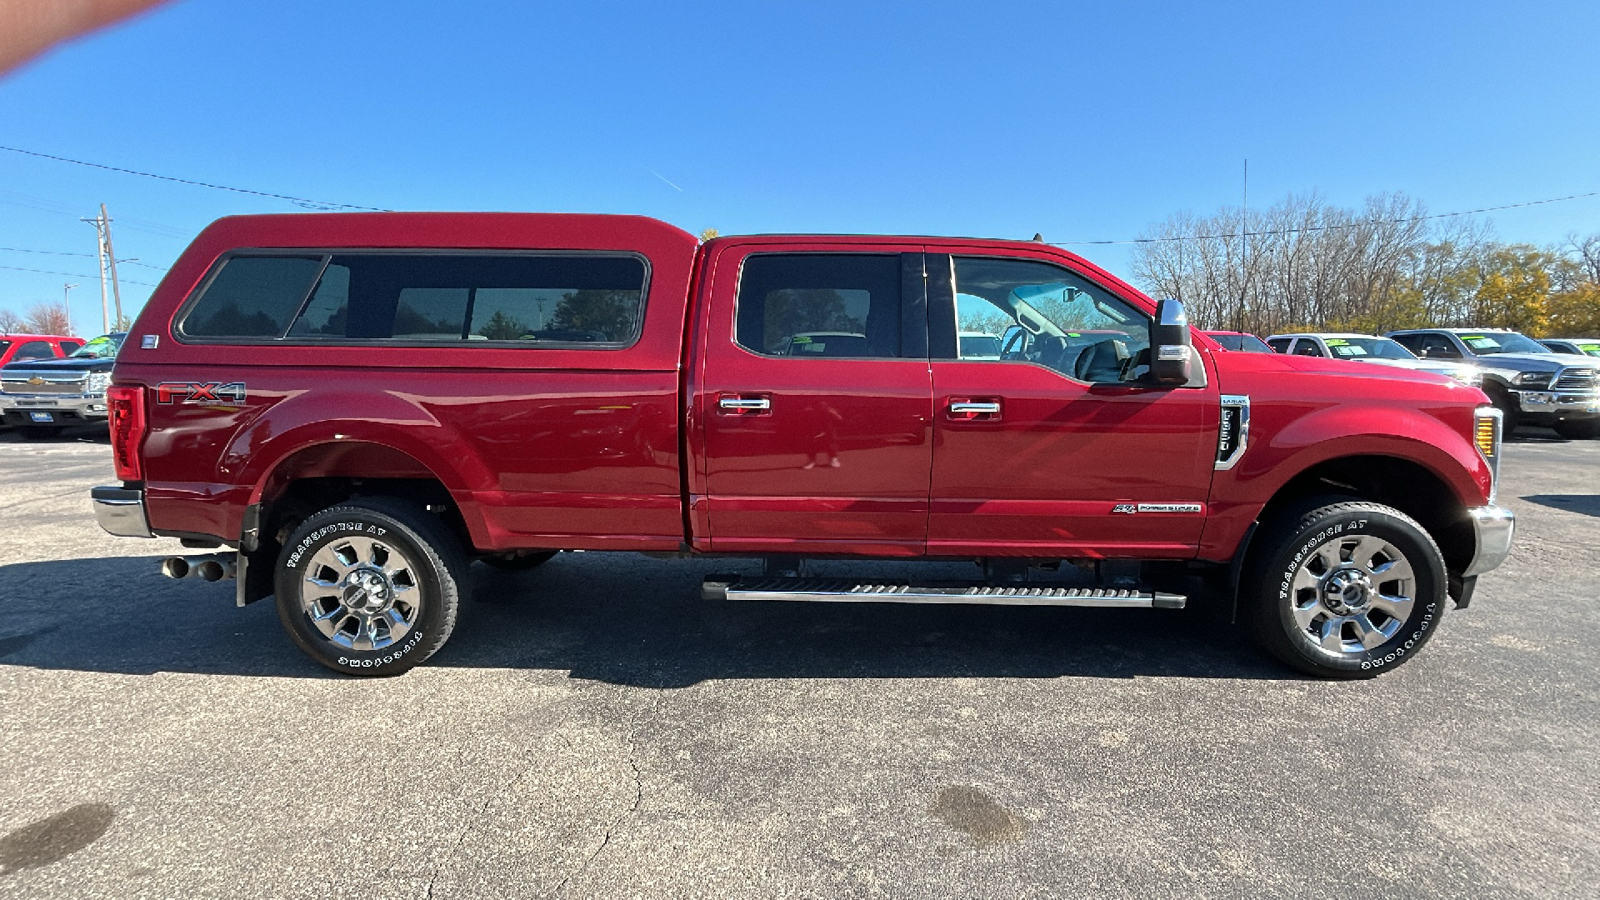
(1580, 380)
(48, 384)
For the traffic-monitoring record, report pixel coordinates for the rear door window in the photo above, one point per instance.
(35, 350)
(820, 305)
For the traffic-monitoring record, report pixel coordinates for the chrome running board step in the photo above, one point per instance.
(737, 587)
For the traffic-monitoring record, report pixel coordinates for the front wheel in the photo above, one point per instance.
(371, 586)
(1345, 589)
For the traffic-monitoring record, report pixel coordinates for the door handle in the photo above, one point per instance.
(745, 404)
(975, 407)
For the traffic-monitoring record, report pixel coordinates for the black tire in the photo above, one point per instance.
(1510, 412)
(1578, 429)
(430, 562)
(520, 563)
(39, 432)
(1344, 602)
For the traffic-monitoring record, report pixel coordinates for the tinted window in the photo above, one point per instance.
(252, 297)
(35, 350)
(1051, 317)
(1437, 346)
(820, 305)
(66, 346)
(1279, 345)
(425, 297)
(1307, 347)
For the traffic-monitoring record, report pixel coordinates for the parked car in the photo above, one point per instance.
(1370, 348)
(15, 347)
(43, 396)
(978, 345)
(1239, 340)
(1529, 384)
(277, 400)
(1575, 346)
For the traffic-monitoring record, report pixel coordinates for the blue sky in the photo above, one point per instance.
(1080, 121)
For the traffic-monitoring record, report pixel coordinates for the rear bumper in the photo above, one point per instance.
(120, 511)
(1492, 530)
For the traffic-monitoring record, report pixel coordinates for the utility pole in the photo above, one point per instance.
(66, 303)
(1244, 256)
(111, 259)
(108, 261)
(100, 256)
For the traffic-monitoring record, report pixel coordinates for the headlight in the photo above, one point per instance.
(1533, 379)
(1471, 376)
(97, 382)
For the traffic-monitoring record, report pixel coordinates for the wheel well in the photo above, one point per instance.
(1407, 486)
(316, 478)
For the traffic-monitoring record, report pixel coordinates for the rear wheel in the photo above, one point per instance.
(371, 586)
(1345, 589)
(1578, 429)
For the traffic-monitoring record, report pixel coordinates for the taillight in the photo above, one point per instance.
(125, 404)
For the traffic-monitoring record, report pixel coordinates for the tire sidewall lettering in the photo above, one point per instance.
(1374, 659)
(292, 561)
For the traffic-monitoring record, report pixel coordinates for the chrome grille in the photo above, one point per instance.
(1581, 380)
(24, 383)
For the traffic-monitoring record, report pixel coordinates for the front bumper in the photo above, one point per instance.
(1570, 405)
(120, 511)
(1492, 530)
(53, 409)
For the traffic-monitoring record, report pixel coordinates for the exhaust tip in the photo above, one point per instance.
(210, 570)
(175, 567)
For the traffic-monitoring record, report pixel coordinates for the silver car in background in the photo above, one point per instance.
(1370, 348)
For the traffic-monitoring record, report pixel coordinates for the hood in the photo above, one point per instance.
(1533, 362)
(57, 366)
(1436, 366)
(1386, 368)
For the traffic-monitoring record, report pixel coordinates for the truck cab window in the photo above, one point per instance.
(820, 305)
(1048, 316)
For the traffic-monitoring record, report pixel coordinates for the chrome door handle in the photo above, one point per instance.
(742, 403)
(975, 407)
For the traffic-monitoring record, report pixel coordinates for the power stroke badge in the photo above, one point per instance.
(1131, 508)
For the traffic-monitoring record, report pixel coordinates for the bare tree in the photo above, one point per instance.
(9, 321)
(46, 318)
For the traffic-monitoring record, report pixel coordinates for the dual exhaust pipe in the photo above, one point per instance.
(211, 567)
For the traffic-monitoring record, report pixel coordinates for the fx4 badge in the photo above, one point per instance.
(207, 394)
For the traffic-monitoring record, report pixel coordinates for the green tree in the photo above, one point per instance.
(502, 327)
(611, 313)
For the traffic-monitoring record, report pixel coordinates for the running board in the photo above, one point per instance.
(736, 587)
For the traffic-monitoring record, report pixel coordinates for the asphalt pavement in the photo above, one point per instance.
(594, 729)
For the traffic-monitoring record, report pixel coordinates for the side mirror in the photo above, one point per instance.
(1171, 350)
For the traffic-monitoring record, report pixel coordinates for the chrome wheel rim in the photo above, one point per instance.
(1353, 594)
(361, 593)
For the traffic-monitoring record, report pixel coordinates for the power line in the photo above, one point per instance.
(1310, 228)
(126, 262)
(71, 275)
(298, 201)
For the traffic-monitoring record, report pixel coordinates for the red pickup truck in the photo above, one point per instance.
(360, 405)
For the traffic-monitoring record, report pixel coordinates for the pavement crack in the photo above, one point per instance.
(638, 801)
(472, 824)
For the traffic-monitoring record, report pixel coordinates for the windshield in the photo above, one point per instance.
(1501, 342)
(103, 347)
(1367, 348)
(1587, 348)
(1246, 342)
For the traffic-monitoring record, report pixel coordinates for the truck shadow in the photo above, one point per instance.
(613, 618)
(1587, 504)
